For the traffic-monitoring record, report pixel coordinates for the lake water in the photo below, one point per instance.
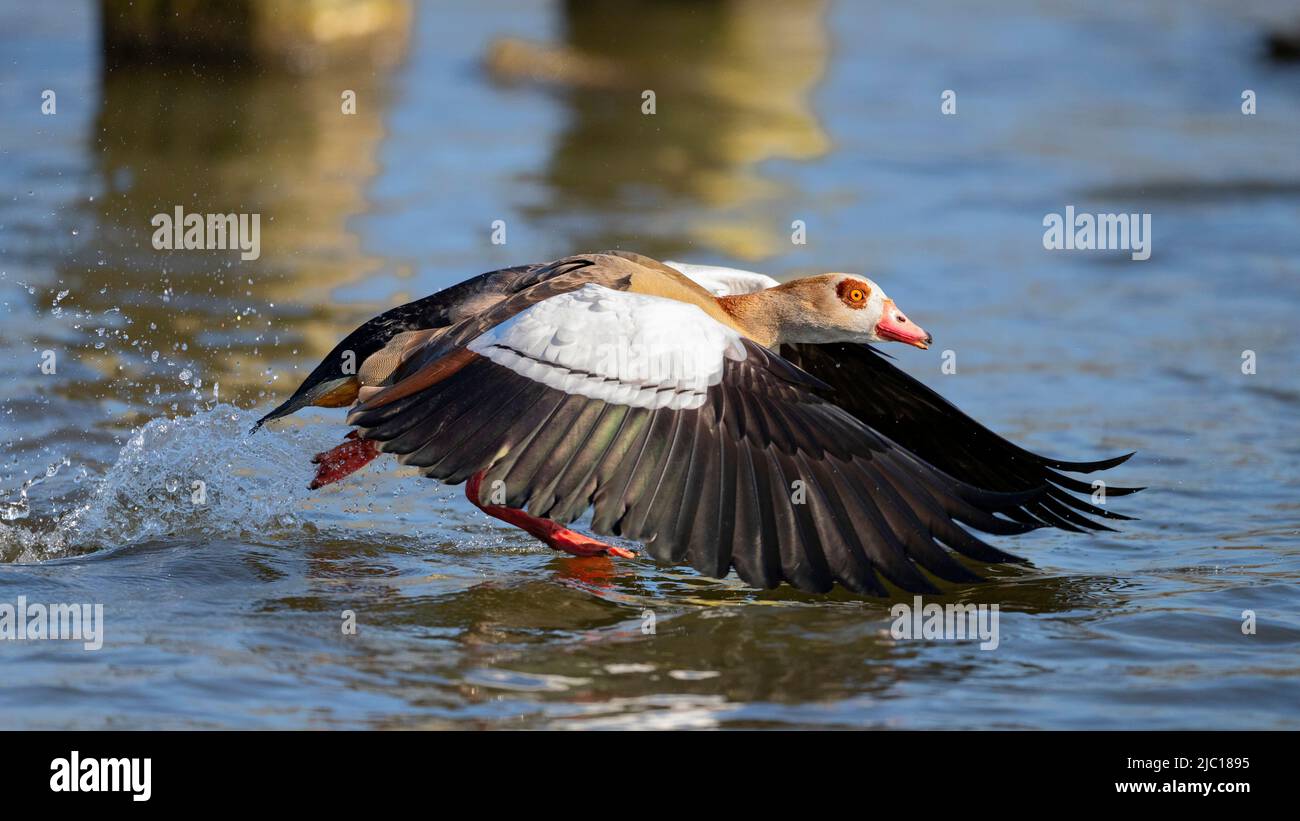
(228, 613)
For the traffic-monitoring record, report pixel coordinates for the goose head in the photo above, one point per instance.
(828, 308)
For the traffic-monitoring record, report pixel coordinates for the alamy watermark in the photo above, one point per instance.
(128, 775)
(1102, 232)
(208, 232)
(53, 622)
(951, 622)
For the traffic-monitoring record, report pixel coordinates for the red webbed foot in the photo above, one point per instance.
(556, 536)
(343, 460)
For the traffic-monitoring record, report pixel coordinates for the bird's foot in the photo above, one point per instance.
(556, 536)
(343, 460)
(570, 541)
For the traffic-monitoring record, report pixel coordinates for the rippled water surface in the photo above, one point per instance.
(228, 613)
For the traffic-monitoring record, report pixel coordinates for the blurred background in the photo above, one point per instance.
(531, 113)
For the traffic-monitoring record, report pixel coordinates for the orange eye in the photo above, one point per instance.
(853, 293)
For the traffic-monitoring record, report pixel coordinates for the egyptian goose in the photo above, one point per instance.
(715, 415)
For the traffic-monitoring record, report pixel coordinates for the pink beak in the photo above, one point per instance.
(895, 326)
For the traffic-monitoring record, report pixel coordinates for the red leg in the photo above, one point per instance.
(343, 460)
(556, 536)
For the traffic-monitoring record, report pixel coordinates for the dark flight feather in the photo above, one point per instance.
(883, 397)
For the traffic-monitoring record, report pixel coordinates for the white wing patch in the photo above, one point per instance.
(721, 281)
(623, 348)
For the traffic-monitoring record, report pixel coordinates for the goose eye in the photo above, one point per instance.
(853, 293)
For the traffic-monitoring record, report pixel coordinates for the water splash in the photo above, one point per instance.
(199, 475)
(22, 508)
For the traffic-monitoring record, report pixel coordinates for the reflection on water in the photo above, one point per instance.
(221, 142)
(732, 85)
(227, 613)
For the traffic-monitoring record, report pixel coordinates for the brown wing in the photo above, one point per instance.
(465, 308)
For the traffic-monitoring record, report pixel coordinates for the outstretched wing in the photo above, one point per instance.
(682, 434)
(883, 397)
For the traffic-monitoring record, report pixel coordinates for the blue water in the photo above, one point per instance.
(229, 613)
